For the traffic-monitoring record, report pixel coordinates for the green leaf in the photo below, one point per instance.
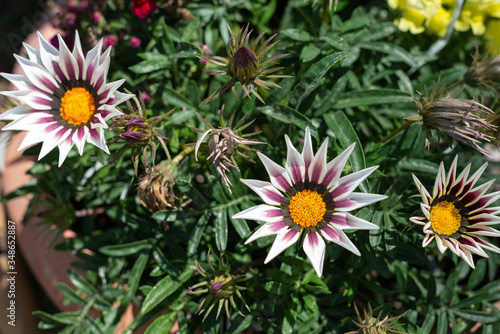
(343, 129)
(392, 50)
(449, 288)
(477, 274)
(56, 319)
(126, 249)
(134, 278)
(296, 34)
(293, 117)
(194, 239)
(221, 230)
(314, 75)
(239, 325)
(372, 96)
(81, 284)
(478, 316)
(309, 52)
(162, 324)
(240, 225)
(70, 294)
(163, 263)
(164, 288)
(311, 305)
(429, 321)
(176, 99)
(148, 66)
(442, 325)
(186, 50)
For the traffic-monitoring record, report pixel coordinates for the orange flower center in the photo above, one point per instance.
(445, 218)
(77, 106)
(307, 208)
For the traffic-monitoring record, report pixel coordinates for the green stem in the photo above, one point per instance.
(395, 132)
(326, 4)
(182, 154)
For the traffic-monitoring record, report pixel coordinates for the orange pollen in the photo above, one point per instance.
(77, 106)
(307, 208)
(445, 218)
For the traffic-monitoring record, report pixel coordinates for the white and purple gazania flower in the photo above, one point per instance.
(309, 197)
(456, 214)
(65, 98)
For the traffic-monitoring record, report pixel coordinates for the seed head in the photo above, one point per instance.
(452, 118)
(223, 143)
(155, 188)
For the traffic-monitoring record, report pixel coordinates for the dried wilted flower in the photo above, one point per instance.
(178, 9)
(155, 187)
(455, 118)
(224, 142)
(371, 325)
(484, 73)
(138, 131)
(244, 65)
(220, 286)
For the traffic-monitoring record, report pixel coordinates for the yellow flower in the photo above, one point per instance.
(439, 23)
(492, 37)
(416, 13)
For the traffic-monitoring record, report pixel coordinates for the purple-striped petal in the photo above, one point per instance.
(278, 175)
(334, 168)
(307, 151)
(317, 168)
(356, 201)
(282, 242)
(314, 247)
(348, 183)
(427, 240)
(330, 233)
(265, 190)
(347, 221)
(426, 197)
(345, 242)
(260, 212)
(294, 162)
(268, 229)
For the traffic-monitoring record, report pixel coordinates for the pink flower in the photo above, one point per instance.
(145, 96)
(142, 8)
(109, 40)
(96, 16)
(134, 42)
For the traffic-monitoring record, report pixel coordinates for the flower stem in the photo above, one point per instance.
(395, 132)
(182, 154)
(325, 11)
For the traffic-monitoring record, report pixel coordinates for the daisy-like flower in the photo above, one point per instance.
(309, 197)
(65, 98)
(457, 215)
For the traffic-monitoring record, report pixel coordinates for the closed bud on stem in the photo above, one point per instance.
(244, 65)
(371, 325)
(220, 287)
